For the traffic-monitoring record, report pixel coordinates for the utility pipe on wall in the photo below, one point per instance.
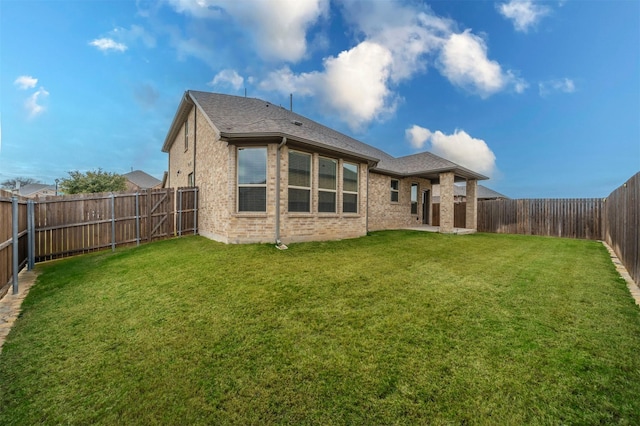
(284, 141)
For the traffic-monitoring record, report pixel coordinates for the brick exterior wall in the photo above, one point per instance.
(385, 214)
(215, 173)
(446, 202)
(314, 226)
(471, 221)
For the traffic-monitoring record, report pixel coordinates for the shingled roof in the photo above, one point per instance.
(239, 118)
(141, 179)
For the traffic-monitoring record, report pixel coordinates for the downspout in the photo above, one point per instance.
(278, 242)
(195, 140)
(370, 165)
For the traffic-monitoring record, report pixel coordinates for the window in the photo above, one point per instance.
(190, 180)
(186, 135)
(327, 180)
(414, 198)
(395, 187)
(299, 182)
(350, 188)
(252, 179)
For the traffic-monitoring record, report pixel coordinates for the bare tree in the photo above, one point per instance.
(15, 182)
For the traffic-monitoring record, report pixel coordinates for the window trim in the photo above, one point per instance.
(305, 188)
(334, 191)
(395, 191)
(356, 192)
(251, 185)
(417, 201)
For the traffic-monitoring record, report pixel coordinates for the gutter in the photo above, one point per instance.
(278, 242)
(241, 137)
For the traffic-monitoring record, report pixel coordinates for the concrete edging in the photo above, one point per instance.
(633, 287)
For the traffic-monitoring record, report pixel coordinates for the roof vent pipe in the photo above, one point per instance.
(291, 102)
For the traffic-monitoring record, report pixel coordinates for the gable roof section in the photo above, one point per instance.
(484, 192)
(142, 179)
(237, 119)
(33, 188)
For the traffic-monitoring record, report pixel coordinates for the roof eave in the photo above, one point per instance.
(458, 171)
(235, 137)
(178, 119)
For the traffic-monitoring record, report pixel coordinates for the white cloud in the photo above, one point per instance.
(278, 27)
(132, 35)
(25, 82)
(417, 136)
(562, 85)
(525, 14)
(354, 84)
(229, 77)
(399, 41)
(464, 62)
(107, 44)
(458, 147)
(32, 105)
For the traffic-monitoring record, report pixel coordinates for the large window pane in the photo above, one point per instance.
(326, 202)
(327, 173)
(252, 199)
(350, 177)
(299, 200)
(252, 179)
(299, 169)
(414, 198)
(252, 166)
(350, 203)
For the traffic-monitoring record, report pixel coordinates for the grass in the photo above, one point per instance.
(394, 328)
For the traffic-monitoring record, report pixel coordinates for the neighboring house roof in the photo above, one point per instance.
(238, 118)
(35, 188)
(483, 193)
(141, 179)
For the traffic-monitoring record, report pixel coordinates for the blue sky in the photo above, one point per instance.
(544, 97)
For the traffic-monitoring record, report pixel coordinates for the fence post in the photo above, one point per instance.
(195, 210)
(113, 223)
(31, 238)
(14, 241)
(137, 219)
(179, 212)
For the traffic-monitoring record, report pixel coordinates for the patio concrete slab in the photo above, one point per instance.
(430, 228)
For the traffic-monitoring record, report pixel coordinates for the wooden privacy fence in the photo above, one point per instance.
(13, 239)
(571, 218)
(622, 224)
(56, 227)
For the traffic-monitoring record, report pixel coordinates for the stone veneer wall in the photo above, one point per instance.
(385, 214)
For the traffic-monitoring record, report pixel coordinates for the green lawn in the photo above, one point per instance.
(394, 328)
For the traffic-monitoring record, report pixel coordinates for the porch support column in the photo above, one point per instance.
(472, 204)
(446, 202)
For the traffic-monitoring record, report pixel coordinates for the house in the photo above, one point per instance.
(34, 190)
(268, 174)
(137, 180)
(460, 194)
